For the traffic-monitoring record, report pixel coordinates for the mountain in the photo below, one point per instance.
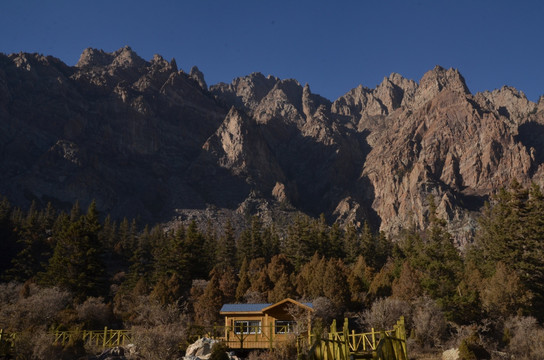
(146, 139)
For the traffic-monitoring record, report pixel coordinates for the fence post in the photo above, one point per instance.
(105, 335)
(346, 339)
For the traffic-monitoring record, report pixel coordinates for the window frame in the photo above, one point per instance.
(289, 325)
(247, 327)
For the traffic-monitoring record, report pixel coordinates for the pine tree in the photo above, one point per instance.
(226, 247)
(271, 242)
(141, 261)
(334, 284)
(244, 283)
(35, 251)
(244, 249)
(335, 249)
(512, 233)
(228, 282)
(8, 247)
(283, 288)
(310, 278)
(299, 245)
(359, 279)
(352, 244)
(76, 264)
(194, 244)
(208, 304)
(438, 262)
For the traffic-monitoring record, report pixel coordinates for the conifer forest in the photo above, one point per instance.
(84, 270)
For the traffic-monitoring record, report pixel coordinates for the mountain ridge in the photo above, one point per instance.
(146, 139)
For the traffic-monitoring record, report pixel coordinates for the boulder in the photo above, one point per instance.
(200, 349)
(450, 354)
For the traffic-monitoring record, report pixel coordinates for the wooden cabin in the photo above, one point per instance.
(259, 326)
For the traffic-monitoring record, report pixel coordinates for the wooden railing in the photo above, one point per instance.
(251, 337)
(336, 345)
(104, 339)
(345, 345)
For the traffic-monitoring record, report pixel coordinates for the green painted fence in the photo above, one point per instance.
(347, 345)
(104, 339)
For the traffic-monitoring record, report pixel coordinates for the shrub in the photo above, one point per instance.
(94, 313)
(471, 348)
(429, 322)
(160, 342)
(159, 331)
(35, 307)
(524, 337)
(219, 352)
(283, 351)
(384, 313)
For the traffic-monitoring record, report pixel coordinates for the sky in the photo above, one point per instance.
(333, 46)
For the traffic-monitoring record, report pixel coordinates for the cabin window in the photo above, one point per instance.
(247, 327)
(284, 326)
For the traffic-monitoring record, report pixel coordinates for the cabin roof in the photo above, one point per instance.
(258, 308)
(243, 307)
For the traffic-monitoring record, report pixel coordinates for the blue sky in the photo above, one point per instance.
(332, 45)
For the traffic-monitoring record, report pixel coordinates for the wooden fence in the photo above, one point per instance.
(336, 345)
(346, 344)
(252, 337)
(104, 339)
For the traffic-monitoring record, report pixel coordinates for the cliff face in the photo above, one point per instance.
(115, 128)
(146, 139)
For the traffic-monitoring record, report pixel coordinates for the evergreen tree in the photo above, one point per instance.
(283, 288)
(335, 248)
(228, 282)
(512, 233)
(8, 247)
(141, 261)
(108, 235)
(35, 250)
(310, 278)
(271, 242)
(438, 262)
(256, 237)
(352, 244)
(226, 247)
(359, 279)
(244, 249)
(244, 283)
(126, 242)
(334, 284)
(76, 264)
(299, 245)
(208, 304)
(194, 243)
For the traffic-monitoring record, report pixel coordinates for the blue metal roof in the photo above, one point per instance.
(250, 307)
(243, 307)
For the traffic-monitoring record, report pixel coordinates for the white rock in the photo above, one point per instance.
(451, 354)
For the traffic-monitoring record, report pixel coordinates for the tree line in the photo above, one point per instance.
(198, 267)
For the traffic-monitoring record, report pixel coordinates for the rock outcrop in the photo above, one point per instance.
(145, 139)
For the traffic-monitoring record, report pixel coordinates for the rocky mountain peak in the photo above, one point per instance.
(93, 57)
(122, 58)
(509, 102)
(127, 58)
(437, 80)
(198, 76)
(245, 92)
